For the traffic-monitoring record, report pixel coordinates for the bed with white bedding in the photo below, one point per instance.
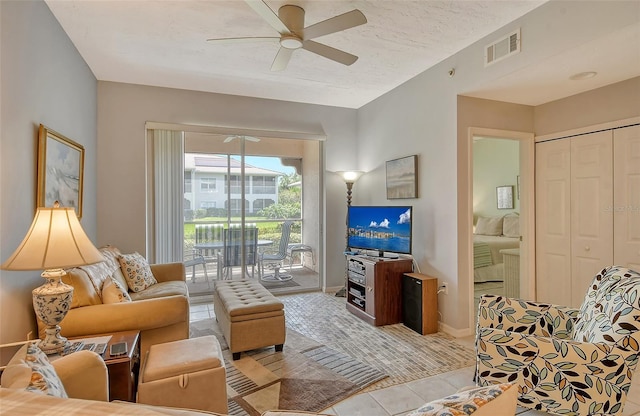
(490, 267)
(493, 234)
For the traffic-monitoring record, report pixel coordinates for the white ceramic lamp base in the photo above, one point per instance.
(51, 303)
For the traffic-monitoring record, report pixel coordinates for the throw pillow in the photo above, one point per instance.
(137, 272)
(114, 292)
(511, 225)
(500, 399)
(489, 226)
(31, 370)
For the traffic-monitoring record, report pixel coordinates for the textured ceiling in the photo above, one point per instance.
(162, 43)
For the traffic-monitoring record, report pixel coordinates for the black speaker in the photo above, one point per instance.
(412, 302)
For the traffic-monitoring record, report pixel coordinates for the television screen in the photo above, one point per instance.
(381, 228)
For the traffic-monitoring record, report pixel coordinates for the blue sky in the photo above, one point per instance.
(392, 218)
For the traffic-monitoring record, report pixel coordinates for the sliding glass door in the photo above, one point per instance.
(243, 204)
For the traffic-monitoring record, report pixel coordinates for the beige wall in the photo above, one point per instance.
(121, 143)
(617, 101)
(44, 80)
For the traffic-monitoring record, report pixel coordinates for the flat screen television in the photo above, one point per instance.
(385, 229)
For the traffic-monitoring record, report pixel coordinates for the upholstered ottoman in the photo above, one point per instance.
(249, 315)
(189, 373)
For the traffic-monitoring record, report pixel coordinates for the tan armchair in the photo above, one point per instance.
(83, 374)
(565, 361)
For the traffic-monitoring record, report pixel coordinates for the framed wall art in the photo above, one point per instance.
(402, 178)
(504, 195)
(60, 170)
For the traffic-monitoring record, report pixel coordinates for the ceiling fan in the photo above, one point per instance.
(289, 22)
(249, 138)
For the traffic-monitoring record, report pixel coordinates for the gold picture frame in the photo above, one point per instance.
(60, 170)
(402, 178)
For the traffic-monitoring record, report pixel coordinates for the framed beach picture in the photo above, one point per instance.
(60, 170)
(402, 178)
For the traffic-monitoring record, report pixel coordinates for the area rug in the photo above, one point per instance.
(305, 376)
(396, 350)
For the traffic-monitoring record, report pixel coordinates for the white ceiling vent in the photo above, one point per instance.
(502, 48)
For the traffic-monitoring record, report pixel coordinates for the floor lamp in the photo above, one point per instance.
(349, 178)
(54, 242)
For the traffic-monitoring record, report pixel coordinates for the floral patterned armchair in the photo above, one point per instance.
(565, 361)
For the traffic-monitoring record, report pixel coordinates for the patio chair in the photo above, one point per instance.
(565, 361)
(207, 246)
(192, 260)
(275, 260)
(231, 255)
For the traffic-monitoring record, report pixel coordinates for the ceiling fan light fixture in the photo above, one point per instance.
(290, 42)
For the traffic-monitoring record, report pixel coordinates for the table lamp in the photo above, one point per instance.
(55, 241)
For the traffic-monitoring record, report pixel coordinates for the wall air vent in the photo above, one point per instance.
(502, 48)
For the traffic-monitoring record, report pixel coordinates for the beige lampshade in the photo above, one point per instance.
(55, 240)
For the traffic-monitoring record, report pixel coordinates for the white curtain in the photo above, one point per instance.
(168, 180)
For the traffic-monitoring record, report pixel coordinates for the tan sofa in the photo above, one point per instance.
(160, 312)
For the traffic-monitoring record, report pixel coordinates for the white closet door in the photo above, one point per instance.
(553, 224)
(591, 216)
(626, 194)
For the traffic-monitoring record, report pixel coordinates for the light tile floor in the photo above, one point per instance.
(402, 399)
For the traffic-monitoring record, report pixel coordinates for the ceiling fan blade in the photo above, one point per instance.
(335, 24)
(269, 15)
(282, 59)
(249, 138)
(329, 52)
(243, 40)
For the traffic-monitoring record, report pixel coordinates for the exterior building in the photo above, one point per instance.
(213, 181)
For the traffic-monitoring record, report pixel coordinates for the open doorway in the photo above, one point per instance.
(501, 176)
(496, 217)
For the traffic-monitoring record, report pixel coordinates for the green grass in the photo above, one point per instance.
(267, 230)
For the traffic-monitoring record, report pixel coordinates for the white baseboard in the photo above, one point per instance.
(332, 289)
(457, 333)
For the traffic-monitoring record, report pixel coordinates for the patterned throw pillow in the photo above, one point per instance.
(610, 310)
(114, 292)
(137, 272)
(44, 379)
(499, 399)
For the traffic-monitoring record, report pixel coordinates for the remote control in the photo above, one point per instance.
(100, 348)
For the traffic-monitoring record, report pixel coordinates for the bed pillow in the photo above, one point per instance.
(137, 272)
(497, 399)
(489, 226)
(511, 225)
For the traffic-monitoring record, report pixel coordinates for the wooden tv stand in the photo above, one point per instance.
(374, 288)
